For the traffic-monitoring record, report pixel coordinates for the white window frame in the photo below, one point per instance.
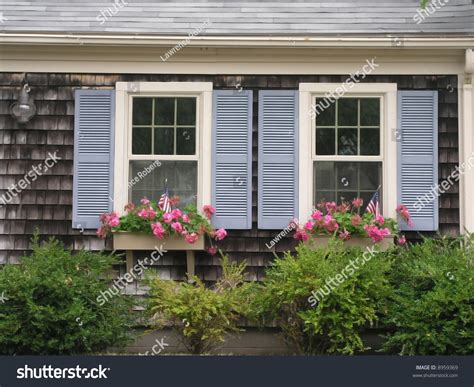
(387, 92)
(125, 91)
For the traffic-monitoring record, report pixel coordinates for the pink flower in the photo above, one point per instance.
(151, 213)
(220, 234)
(331, 206)
(345, 235)
(208, 211)
(331, 226)
(317, 215)
(191, 238)
(358, 202)
(174, 200)
(343, 208)
(145, 201)
(309, 225)
(380, 219)
(114, 220)
(176, 213)
(158, 230)
(405, 214)
(101, 232)
(402, 240)
(356, 220)
(327, 218)
(167, 218)
(143, 213)
(301, 235)
(212, 250)
(376, 233)
(185, 218)
(178, 227)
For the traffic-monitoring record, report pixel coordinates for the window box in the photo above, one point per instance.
(355, 241)
(130, 241)
(139, 241)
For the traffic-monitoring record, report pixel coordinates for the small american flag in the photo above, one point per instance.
(164, 202)
(373, 206)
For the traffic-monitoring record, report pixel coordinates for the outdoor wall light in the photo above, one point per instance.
(23, 109)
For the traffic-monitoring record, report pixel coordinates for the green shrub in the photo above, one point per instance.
(201, 316)
(332, 325)
(50, 304)
(433, 298)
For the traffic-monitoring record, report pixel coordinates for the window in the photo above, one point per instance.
(164, 126)
(347, 127)
(163, 138)
(347, 144)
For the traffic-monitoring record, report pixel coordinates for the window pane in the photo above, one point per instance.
(325, 112)
(346, 175)
(347, 112)
(346, 142)
(142, 111)
(164, 111)
(370, 176)
(370, 112)
(324, 175)
(141, 141)
(185, 141)
(181, 175)
(326, 196)
(348, 180)
(186, 111)
(164, 141)
(370, 141)
(325, 141)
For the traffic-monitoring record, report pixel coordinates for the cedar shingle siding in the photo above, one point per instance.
(47, 203)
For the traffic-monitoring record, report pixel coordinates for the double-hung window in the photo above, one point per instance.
(161, 142)
(347, 144)
(347, 157)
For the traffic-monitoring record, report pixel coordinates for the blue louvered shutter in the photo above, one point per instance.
(93, 156)
(418, 157)
(232, 159)
(277, 158)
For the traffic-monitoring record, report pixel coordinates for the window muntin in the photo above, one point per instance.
(165, 129)
(348, 127)
(347, 152)
(164, 126)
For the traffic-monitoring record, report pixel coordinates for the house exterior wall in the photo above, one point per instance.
(47, 203)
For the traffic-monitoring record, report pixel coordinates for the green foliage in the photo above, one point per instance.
(201, 316)
(50, 306)
(433, 298)
(333, 324)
